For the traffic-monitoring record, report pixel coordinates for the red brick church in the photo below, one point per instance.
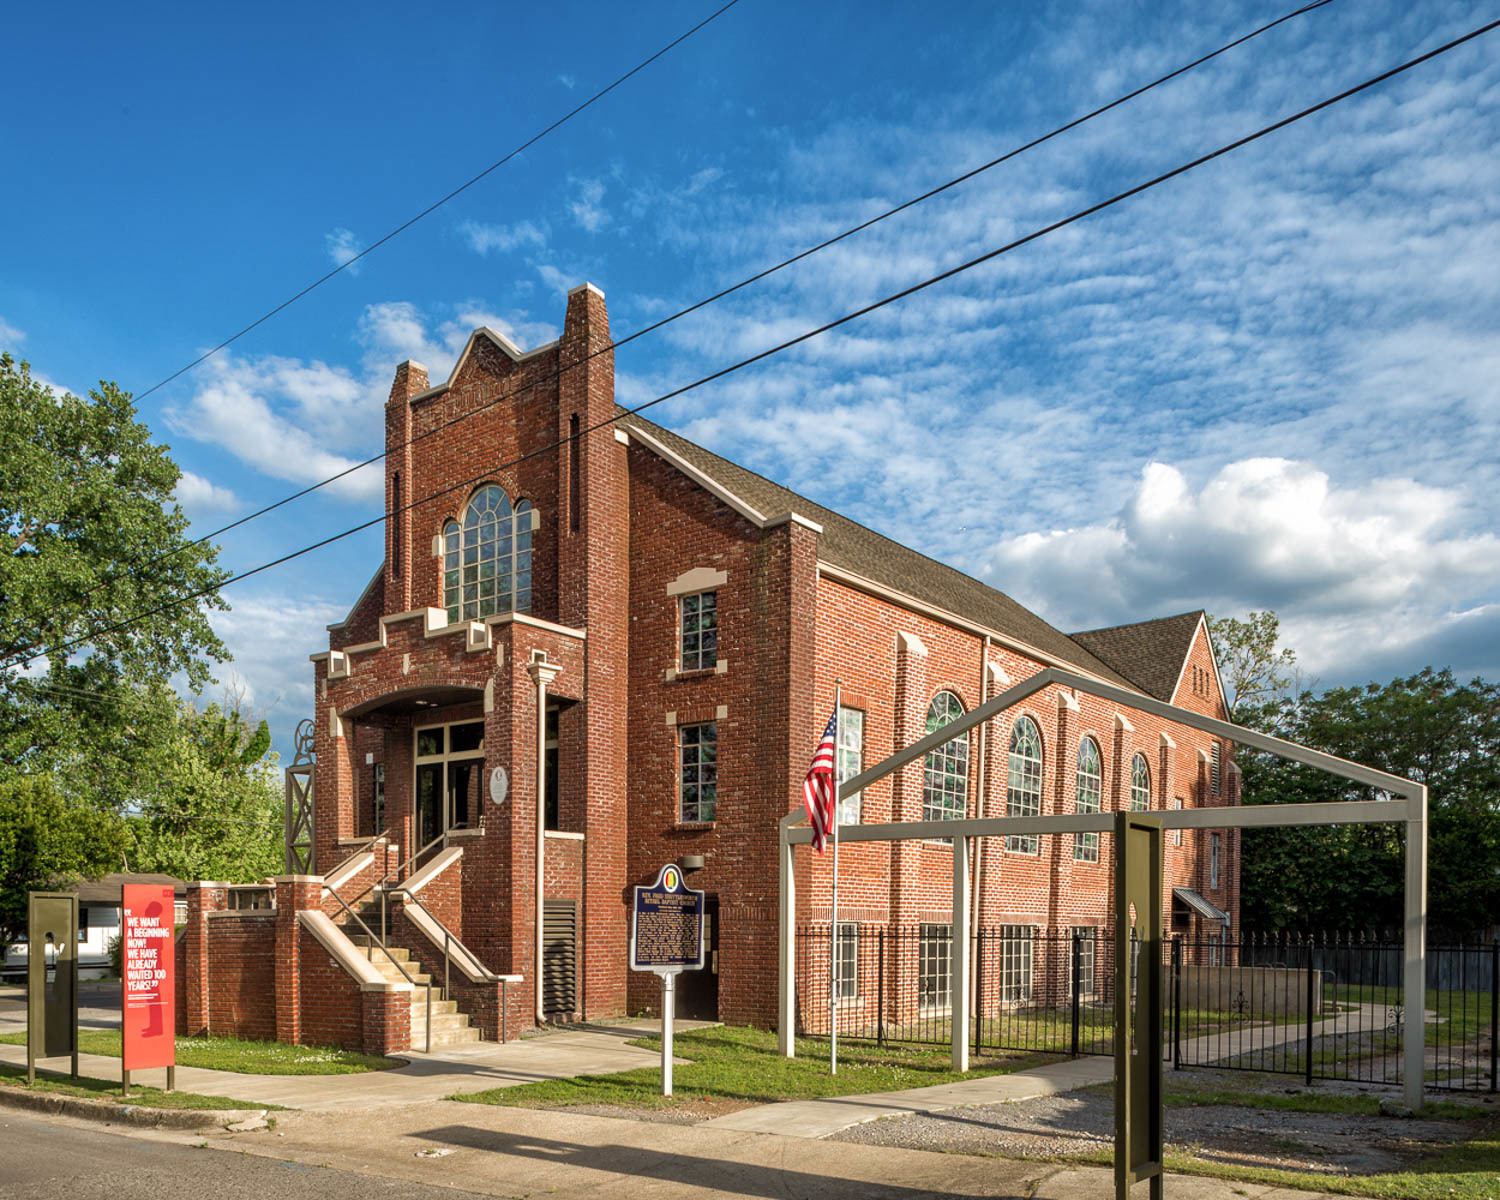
(594, 647)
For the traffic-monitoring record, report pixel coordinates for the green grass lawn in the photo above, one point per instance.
(739, 1064)
(232, 1054)
(99, 1089)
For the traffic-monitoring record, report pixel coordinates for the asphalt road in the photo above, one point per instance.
(41, 1159)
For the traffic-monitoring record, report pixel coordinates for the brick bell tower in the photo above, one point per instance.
(593, 593)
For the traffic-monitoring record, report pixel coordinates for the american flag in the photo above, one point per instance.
(820, 788)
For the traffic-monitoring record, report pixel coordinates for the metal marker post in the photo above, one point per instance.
(833, 925)
(668, 1011)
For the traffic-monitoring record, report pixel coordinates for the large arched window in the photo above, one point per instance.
(487, 557)
(1090, 795)
(1023, 792)
(1140, 783)
(945, 785)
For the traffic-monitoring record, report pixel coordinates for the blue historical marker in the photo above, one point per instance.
(666, 936)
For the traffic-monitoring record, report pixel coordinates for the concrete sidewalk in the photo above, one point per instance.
(470, 1068)
(494, 1150)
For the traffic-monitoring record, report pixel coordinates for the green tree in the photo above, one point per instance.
(1427, 727)
(93, 536)
(48, 842)
(1256, 672)
(209, 804)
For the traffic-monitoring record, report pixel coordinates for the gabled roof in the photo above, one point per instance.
(862, 552)
(1148, 653)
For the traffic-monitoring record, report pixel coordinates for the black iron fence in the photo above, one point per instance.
(1322, 1008)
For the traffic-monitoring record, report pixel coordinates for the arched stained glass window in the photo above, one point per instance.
(487, 557)
(945, 785)
(1140, 783)
(1023, 792)
(1090, 795)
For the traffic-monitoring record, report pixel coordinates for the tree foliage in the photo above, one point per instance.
(1427, 727)
(102, 765)
(1255, 670)
(93, 536)
(49, 842)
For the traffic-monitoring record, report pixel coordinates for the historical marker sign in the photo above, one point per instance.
(666, 936)
(148, 977)
(666, 926)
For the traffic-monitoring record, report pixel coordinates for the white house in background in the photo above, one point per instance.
(98, 921)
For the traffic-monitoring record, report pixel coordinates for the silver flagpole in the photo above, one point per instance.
(833, 932)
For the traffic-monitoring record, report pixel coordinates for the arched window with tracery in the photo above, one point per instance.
(1140, 783)
(1090, 797)
(487, 557)
(1023, 792)
(945, 782)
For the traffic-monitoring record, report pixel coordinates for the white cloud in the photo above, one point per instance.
(587, 207)
(270, 637)
(568, 81)
(487, 238)
(303, 421)
(10, 336)
(1338, 563)
(343, 247)
(199, 495)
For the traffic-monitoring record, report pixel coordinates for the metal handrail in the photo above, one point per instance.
(427, 1046)
(448, 940)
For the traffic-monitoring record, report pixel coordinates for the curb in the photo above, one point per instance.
(126, 1114)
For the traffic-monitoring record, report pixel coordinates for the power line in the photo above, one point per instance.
(810, 334)
(722, 293)
(437, 204)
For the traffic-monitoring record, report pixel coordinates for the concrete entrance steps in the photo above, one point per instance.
(449, 1026)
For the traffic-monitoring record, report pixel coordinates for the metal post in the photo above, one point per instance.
(668, 1003)
(125, 1084)
(787, 984)
(428, 1047)
(958, 983)
(1414, 948)
(75, 998)
(976, 1006)
(1177, 1003)
(1076, 949)
(880, 991)
(1495, 1016)
(504, 1009)
(172, 1078)
(1307, 1047)
(447, 986)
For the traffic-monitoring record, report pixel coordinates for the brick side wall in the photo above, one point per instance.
(242, 962)
(330, 1005)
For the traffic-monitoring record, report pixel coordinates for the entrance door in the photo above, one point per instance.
(449, 767)
(698, 991)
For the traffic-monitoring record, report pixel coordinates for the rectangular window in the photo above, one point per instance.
(552, 811)
(377, 799)
(1016, 943)
(1215, 857)
(934, 948)
(1085, 937)
(700, 631)
(698, 770)
(1214, 768)
(1215, 949)
(1177, 833)
(847, 960)
(851, 759)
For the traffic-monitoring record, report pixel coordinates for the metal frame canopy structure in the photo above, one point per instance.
(1408, 805)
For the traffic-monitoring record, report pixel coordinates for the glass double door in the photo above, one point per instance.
(449, 770)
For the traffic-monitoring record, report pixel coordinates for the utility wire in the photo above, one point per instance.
(437, 204)
(609, 347)
(808, 335)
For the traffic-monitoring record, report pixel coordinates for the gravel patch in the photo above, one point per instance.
(1081, 1124)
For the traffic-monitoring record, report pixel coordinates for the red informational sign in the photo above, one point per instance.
(149, 984)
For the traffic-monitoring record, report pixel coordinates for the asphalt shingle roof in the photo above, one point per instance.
(850, 545)
(1149, 653)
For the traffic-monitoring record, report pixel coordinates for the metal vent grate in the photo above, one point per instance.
(559, 958)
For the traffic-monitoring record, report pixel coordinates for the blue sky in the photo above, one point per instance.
(1274, 383)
